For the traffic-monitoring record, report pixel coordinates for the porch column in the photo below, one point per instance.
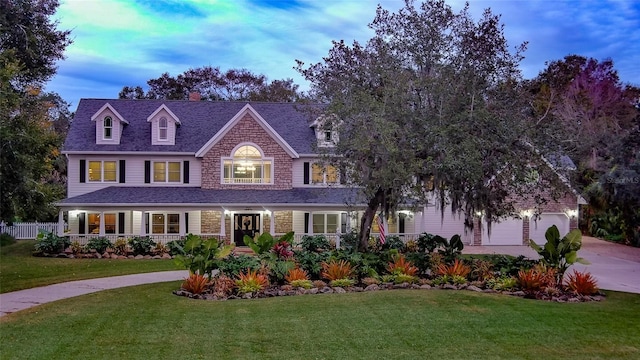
(272, 222)
(181, 225)
(223, 225)
(60, 223)
(143, 229)
(101, 232)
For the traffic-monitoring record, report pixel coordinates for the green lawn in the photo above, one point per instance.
(149, 322)
(19, 270)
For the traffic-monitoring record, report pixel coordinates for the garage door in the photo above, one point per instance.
(546, 220)
(506, 232)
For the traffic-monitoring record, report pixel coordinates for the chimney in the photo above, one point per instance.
(194, 96)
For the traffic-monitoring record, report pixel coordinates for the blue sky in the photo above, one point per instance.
(127, 42)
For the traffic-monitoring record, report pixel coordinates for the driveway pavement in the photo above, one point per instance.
(616, 267)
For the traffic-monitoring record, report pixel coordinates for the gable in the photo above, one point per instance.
(109, 125)
(163, 126)
(247, 119)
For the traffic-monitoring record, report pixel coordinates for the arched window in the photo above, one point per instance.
(108, 127)
(162, 128)
(247, 166)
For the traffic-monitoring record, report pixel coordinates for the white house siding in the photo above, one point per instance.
(134, 168)
(538, 228)
(194, 222)
(116, 131)
(433, 222)
(155, 129)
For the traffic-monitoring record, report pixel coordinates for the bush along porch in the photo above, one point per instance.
(315, 266)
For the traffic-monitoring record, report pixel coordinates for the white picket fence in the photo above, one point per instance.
(24, 231)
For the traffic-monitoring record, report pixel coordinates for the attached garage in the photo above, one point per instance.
(538, 227)
(451, 224)
(506, 232)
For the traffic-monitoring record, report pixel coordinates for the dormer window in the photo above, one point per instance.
(327, 136)
(108, 128)
(162, 128)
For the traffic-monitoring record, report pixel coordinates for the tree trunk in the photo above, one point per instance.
(367, 219)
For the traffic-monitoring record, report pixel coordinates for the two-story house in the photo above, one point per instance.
(225, 169)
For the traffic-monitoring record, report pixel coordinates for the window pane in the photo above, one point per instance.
(317, 174)
(110, 223)
(332, 223)
(227, 176)
(174, 172)
(109, 171)
(173, 223)
(157, 224)
(108, 124)
(267, 172)
(163, 134)
(95, 171)
(159, 172)
(93, 224)
(332, 174)
(318, 223)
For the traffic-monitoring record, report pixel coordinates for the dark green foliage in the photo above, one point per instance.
(50, 243)
(393, 242)
(421, 260)
(429, 242)
(141, 245)
(315, 243)
(233, 264)
(349, 241)
(451, 249)
(278, 269)
(99, 244)
(509, 266)
(176, 246)
(265, 242)
(560, 253)
(311, 261)
(6, 239)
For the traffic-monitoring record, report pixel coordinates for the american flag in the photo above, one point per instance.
(383, 237)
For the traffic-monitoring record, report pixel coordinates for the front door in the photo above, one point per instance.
(245, 224)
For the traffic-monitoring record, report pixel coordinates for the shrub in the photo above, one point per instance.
(451, 249)
(548, 275)
(558, 252)
(393, 242)
(277, 269)
(50, 243)
(201, 256)
(481, 270)
(233, 265)
(530, 281)
(265, 242)
(222, 285)
(121, 247)
(305, 284)
(195, 284)
(311, 261)
(581, 283)
(342, 282)
(99, 244)
(141, 245)
(457, 268)
(251, 281)
(502, 283)
(335, 270)
(400, 266)
(76, 248)
(6, 239)
(370, 281)
(282, 249)
(411, 246)
(349, 241)
(319, 284)
(315, 243)
(176, 247)
(509, 265)
(428, 242)
(161, 249)
(296, 274)
(404, 278)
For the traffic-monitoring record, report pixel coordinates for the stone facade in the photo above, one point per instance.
(284, 221)
(210, 222)
(247, 130)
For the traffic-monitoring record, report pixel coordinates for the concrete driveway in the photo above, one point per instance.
(615, 266)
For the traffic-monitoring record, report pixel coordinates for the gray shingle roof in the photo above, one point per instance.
(123, 196)
(200, 120)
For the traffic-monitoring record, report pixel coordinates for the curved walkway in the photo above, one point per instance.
(616, 267)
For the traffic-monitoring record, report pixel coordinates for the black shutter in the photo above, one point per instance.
(83, 170)
(147, 172)
(186, 221)
(306, 222)
(122, 171)
(185, 172)
(343, 223)
(146, 223)
(121, 221)
(401, 223)
(81, 222)
(306, 173)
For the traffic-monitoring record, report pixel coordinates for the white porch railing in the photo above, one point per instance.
(157, 238)
(24, 231)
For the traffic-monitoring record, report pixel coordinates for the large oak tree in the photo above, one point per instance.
(433, 98)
